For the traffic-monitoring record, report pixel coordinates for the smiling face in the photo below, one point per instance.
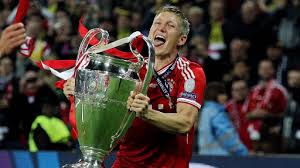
(166, 34)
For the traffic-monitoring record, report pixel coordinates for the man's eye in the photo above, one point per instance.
(171, 25)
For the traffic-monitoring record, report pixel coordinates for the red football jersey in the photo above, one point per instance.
(272, 98)
(147, 146)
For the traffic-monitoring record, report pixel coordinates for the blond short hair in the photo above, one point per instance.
(185, 24)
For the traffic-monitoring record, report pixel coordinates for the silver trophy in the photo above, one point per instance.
(101, 92)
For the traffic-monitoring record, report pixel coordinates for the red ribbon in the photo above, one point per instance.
(137, 43)
(83, 31)
(22, 10)
(72, 118)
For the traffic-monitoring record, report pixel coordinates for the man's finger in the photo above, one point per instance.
(139, 101)
(14, 45)
(19, 42)
(136, 109)
(138, 105)
(142, 97)
(12, 34)
(132, 93)
(19, 36)
(130, 100)
(14, 27)
(16, 39)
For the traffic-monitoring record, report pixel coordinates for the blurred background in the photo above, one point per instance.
(249, 49)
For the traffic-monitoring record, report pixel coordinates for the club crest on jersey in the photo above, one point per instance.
(171, 84)
(189, 85)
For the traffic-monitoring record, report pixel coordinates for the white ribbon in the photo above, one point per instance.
(83, 58)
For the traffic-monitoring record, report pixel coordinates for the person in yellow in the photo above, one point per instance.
(49, 132)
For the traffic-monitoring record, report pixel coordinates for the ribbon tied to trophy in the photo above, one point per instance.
(66, 69)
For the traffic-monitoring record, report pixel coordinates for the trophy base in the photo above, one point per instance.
(84, 164)
(92, 158)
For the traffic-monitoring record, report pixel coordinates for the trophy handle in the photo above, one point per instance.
(103, 40)
(130, 115)
(89, 37)
(83, 57)
(151, 61)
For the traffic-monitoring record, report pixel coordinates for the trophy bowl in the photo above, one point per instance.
(102, 89)
(101, 105)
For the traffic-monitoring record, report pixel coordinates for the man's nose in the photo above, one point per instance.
(162, 27)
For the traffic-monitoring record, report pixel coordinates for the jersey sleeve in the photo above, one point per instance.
(191, 90)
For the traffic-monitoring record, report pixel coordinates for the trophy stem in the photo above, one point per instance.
(93, 157)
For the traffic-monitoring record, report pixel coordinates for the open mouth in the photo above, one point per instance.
(159, 40)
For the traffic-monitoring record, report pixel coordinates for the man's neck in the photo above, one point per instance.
(162, 61)
(239, 101)
(265, 82)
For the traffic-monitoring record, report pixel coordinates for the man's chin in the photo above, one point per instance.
(267, 78)
(157, 48)
(158, 51)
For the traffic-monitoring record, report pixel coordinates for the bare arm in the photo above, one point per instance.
(180, 122)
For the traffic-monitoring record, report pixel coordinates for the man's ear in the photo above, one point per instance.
(181, 40)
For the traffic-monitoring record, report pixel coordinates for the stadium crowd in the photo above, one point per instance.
(249, 50)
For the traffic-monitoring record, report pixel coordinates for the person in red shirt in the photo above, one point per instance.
(237, 109)
(162, 133)
(266, 106)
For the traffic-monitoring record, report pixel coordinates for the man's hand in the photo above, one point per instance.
(257, 114)
(138, 103)
(180, 122)
(69, 87)
(12, 37)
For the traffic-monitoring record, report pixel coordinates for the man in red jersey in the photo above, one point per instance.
(162, 134)
(266, 106)
(237, 109)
